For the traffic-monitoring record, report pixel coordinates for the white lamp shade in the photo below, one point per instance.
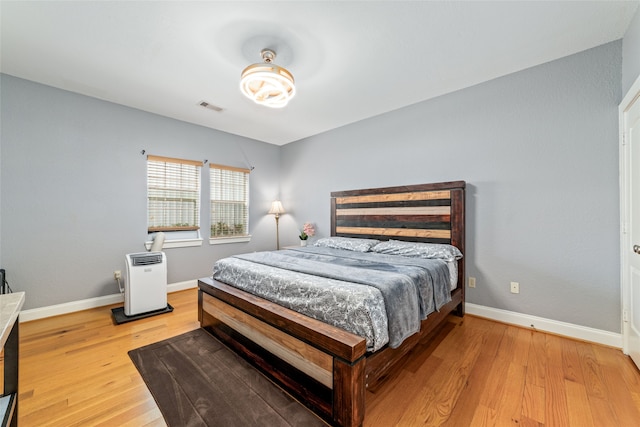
(276, 208)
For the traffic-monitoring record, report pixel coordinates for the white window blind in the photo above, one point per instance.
(173, 194)
(229, 201)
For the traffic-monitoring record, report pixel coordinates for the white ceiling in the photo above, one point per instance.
(351, 59)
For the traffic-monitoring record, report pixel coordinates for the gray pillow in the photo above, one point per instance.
(418, 250)
(347, 243)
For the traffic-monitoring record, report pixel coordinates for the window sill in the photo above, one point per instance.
(177, 243)
(225, 240)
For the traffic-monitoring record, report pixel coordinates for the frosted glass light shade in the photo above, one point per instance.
(267, 83)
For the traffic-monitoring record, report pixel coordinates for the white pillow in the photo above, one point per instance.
(347, 243)
(418, 250)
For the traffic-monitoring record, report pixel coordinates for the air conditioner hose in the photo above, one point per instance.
(158, 241)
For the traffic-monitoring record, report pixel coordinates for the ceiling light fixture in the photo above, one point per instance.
(267, 83)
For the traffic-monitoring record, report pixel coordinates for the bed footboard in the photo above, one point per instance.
(320, 365)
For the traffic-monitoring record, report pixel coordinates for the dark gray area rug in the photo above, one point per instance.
(197, 381)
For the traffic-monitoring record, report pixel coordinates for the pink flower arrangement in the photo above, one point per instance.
(308, 230)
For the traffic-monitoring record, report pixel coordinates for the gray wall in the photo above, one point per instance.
(538, 150)
(631, 54)
(74, 190)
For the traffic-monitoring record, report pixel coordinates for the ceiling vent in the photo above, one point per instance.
(212, 107)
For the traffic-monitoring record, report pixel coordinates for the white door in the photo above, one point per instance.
(630, 165)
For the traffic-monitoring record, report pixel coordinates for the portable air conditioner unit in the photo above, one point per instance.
(145, 283)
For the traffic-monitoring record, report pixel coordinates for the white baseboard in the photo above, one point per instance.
(570, 330)
(70, 307)
(181, 286)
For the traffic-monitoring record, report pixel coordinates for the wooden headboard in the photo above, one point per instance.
(432, 213)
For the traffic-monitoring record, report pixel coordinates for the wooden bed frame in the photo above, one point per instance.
(324, 367)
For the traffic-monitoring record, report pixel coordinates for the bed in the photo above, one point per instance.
(326, 367)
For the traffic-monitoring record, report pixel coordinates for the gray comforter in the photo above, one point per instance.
(380, 297)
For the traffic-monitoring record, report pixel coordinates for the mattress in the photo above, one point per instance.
(380, 297)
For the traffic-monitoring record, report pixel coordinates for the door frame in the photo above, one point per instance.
(633, 95)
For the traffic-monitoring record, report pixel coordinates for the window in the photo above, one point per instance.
(173, 194)
(229, 203)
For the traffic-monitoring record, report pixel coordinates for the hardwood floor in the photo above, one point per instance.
(484, 373)
(75, 371)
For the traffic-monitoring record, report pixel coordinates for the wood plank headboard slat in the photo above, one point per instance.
(423, 195)
(402, 189)
(412, 210)
(395, 232)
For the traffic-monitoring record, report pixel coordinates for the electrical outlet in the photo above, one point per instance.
(515, 287)
(117, 275)
(472, 282)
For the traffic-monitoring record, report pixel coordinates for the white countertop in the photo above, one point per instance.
(10, 305)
